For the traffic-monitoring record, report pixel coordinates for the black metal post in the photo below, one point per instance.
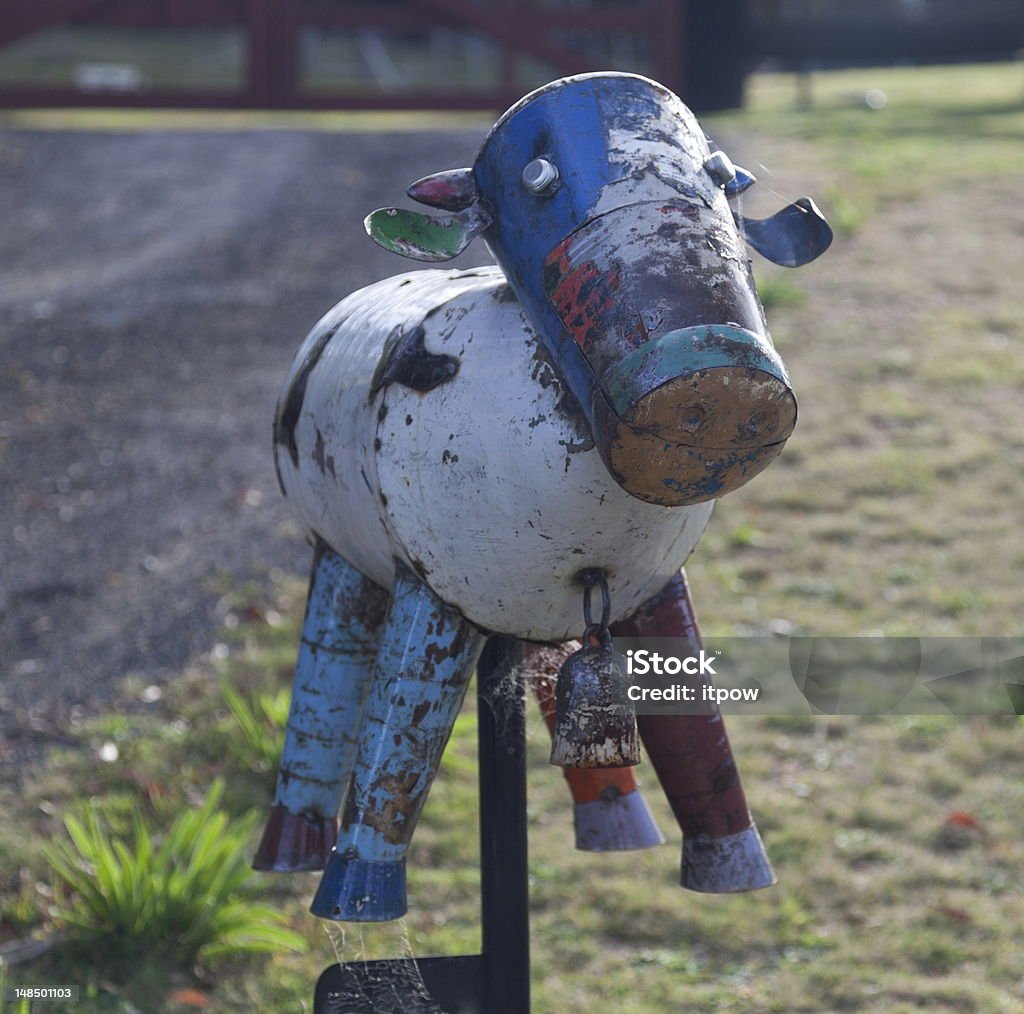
(505, 910)
(497, 981)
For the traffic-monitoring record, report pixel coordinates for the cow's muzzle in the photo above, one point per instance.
(689, 398)
(696, 413)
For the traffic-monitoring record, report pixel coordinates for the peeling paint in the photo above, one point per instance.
(618, 364)
(332, 678)
(694, 762)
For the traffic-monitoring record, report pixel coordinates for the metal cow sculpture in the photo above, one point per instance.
(462, 447)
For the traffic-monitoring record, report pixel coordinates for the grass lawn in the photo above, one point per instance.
(895, 508)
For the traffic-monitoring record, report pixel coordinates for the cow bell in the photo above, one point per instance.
(595, 726)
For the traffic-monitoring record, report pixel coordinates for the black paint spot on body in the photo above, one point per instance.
(290, 407)
(406, 361)
(318, 451)
(277, 473)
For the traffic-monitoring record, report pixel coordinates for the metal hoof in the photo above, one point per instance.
(359, 890)
(735, 862)
(616, 822)
(293, 843)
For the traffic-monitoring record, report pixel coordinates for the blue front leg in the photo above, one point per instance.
(340, 635)
(427, 655)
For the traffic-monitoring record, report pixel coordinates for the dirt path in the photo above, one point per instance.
(153, 289)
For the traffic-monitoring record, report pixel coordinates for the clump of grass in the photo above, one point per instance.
(261, 720)
(848, 211)
(777, 290)
(183, 897)
(17, 1007)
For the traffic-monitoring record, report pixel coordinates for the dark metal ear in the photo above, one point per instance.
(793, 236)
(452, 190)
(426, 237)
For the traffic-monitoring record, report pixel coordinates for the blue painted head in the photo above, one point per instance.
(600, 199)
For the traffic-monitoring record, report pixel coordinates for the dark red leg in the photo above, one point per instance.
(722, 850)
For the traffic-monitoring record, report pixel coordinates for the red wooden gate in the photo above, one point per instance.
(531, 40)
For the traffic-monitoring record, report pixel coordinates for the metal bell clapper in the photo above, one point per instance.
(595, 725)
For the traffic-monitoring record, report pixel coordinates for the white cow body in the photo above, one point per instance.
(488, 486)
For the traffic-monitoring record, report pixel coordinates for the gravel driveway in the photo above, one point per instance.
(153, 289)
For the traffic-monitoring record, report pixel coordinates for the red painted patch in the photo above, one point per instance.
(583, 297)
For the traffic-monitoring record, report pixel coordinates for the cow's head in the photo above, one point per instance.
(599, 197)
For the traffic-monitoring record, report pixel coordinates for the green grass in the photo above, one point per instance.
(906, 350)
(180, 895)
(259, 723)
(778, 289)
(895, 507)
(889, 897)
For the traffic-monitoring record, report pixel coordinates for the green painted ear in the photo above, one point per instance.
(426, 237)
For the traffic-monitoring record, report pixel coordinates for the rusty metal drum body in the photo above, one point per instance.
(488, 486)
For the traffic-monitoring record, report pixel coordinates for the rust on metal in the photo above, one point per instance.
(595, 726)
(586, 784)
(722, 850)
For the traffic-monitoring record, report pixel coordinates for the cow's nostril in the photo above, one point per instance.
(693, 417)
(763, 423)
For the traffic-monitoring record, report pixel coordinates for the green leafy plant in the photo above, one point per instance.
(184, 897)
(261, 720)
(776, 290)
(11, 1007)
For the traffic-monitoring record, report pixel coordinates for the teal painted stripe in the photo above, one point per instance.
(685, 351)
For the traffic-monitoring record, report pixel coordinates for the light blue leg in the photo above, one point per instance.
(340, 635)
(427, 655)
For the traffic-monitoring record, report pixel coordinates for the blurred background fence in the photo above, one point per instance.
(342, 54)
(465, 54)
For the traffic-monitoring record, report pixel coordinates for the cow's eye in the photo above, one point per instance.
(540, 177)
